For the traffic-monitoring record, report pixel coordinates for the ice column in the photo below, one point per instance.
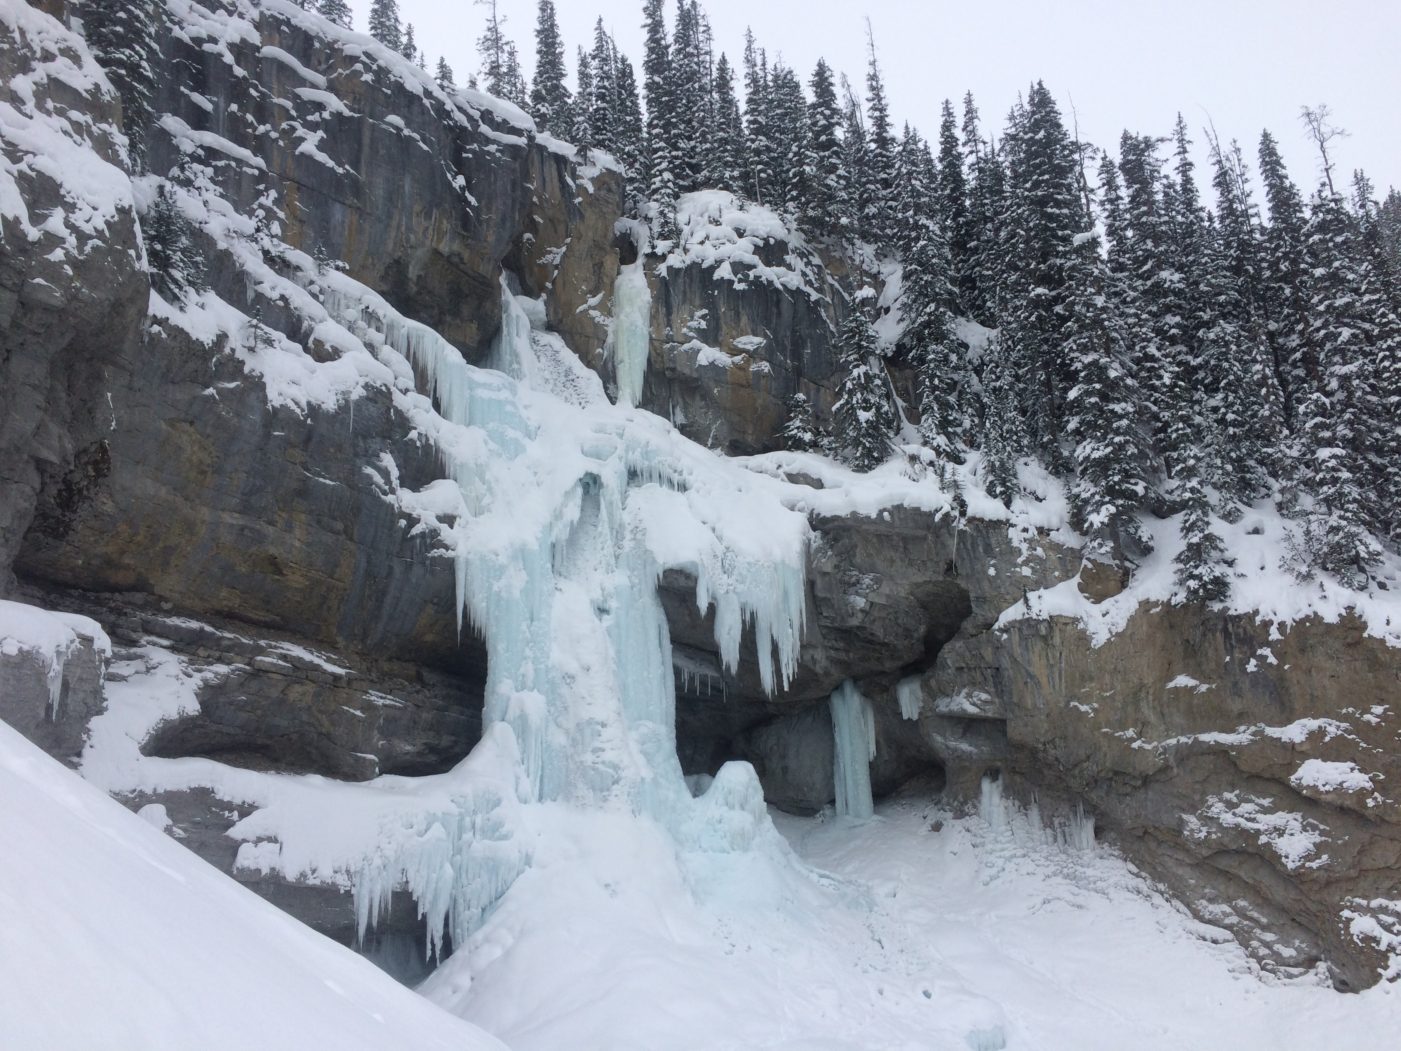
(631, 335)
(854, 730)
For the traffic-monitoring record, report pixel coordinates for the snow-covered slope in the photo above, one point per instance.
(116, 937)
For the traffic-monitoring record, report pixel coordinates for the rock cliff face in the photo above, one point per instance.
(147, 480)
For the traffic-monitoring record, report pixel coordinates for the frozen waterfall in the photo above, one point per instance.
(571, 509)
(854, 730)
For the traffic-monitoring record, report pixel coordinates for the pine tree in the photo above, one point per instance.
(985, 264)
(941, 369)
(824, 165)
(759, 179)
(857, 160)
(728, 161)
(1284, 283)
(661, 125)
(384, 23)
(864, 415)
(176, 270)
(549, 96)
(604, 98)
(1389, 228)
(1333, 415)
(1042, 218)
(628, 135)
(1201, 565)
(1003, 435)
(582, 131)
(492, 47)
(688, 94)
(337, 11)
(409, 47)
(878, 217)
(1101, 408)
(124, 36)
(800, 432)
(443, 76)
(953, 206)
(513, 87)
(788, 121)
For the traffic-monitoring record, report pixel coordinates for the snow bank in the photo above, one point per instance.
(118, 937)
(50, 637)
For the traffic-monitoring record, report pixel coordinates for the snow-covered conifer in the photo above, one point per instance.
(124, 36)
(864, 414)
(385, 25)
(549, 95)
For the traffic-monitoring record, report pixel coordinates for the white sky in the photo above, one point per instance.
(1247, 64)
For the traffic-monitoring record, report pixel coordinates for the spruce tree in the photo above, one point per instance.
(549, 96)
(1333, 416)
(628, 135)
(857, 160)
(442, 76)
(985, 264)
(825, 173)
(1284, 283)
(879, 215)
(661, 125)
(582, 130)
(689, 87)
(941, 369)
(409, 47)
(124, 36)
(788, 121)
(800, 431)
(864, 415)
(953, 207)
(492, 47)
(513, 87)
(759, 179)
(603, 101)
(728, 162)
(384, 23)
(1043, 216)
(1201, 565)
(1003, 436)
(176, 269)
(337, 11)
(1102, 408)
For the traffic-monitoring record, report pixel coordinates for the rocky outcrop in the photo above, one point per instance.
(1249, 767)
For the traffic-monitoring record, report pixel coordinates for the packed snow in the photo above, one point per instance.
(116, 936)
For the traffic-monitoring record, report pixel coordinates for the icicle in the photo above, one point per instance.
(854, 731)
(910, 693)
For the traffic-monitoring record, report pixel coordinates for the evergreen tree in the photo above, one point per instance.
(384, 23)
(759, 179)
(728, 161)
(492, 47)
(628, 135)
(176, 270)
(688, 94)
(1101, 408)
(661, 125)
(409, 47)
(953, 206)
(941, 369)
(985, 263)
(443, 76)
(604, 99)
(1333, 415)
(800, 432)
(1201, 566)
(1003, 435)
(857, 160)
(824, 165)
(864, 415)
(582, 131)
(1389, 228)
(513, 87)
(1043, 215)
(124, 36)
(337, 11)
(549, 96)
(878, 216)
(789, 137)
(1284, 283)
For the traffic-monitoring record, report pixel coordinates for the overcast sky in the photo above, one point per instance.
(1245, 64)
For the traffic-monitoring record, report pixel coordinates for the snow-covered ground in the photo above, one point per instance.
(115, 937)
(915, 931)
